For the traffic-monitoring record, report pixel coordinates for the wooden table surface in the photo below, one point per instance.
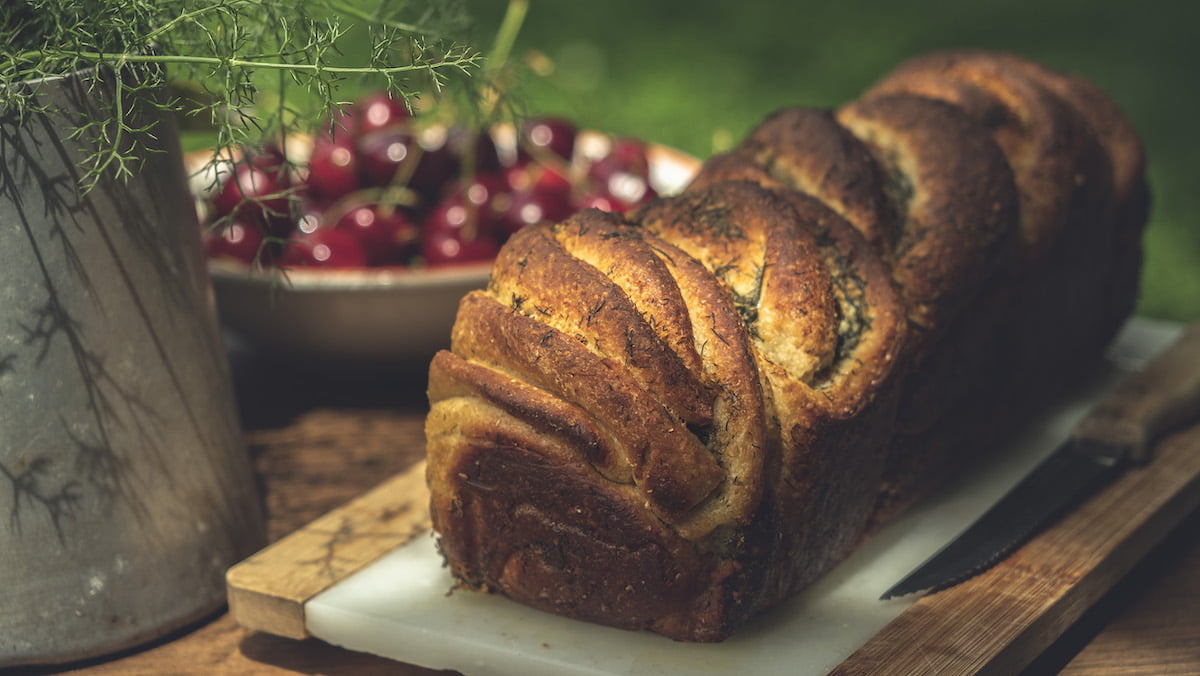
(321, 439)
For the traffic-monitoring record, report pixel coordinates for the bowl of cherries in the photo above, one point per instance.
(357, 243)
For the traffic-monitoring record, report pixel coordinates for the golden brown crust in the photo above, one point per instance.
(1114, 131)
(749, 239)
(524, 515)
(1126, 158)
(1066, 226)
(672, 467)
(1054, 157)
(955, 197)
(806, 149)
(674, 422)
(720, 349)
(578, 299)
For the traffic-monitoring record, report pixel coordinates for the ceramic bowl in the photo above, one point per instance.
(373, 315)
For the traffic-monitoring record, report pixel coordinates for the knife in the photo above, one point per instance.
(1117, 433)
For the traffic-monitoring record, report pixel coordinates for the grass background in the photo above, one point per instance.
(698, 74)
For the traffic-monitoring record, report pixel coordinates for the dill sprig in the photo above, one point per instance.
(262, 68)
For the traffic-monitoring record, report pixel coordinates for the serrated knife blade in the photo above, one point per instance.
(1115, 434)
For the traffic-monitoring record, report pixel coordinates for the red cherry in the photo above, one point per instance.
(488, 194)
(380, 110)
(620, 193)
(438, 164)
(385, 233)
(545, 137)
(383, 153)
(324, 248)
(464, 142)
(443, 153)
(482, 188)
(444, 248)
(600, 200)
(532, 176)
(258, 193)
(628, 155)
(629, 189)
(236, 239)
(333, 167)
(453, 233)
(312, 216)
(633, 154)
(457, 212)
(532, 207)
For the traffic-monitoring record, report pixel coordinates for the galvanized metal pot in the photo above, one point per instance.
(125, 488)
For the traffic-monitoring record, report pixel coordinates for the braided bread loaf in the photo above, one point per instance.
(676, 420)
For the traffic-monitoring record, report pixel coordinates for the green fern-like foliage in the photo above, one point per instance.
(255, 68)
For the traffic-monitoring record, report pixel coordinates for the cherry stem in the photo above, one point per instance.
(506, 37)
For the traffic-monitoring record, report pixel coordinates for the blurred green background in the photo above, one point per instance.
(698, 74)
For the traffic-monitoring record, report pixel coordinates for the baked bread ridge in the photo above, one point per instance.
(675, 421)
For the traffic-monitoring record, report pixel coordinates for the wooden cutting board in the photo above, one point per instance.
(367, 577)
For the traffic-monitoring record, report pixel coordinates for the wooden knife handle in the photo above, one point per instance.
(1148, 404)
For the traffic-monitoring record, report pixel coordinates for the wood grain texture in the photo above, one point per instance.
(267, 591)
(1149, 625)
(221, 646)
(326, 457)
(1000, 621)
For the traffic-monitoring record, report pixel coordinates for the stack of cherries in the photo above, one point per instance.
(381, 189)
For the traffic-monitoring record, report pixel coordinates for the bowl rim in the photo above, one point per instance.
(338, 279)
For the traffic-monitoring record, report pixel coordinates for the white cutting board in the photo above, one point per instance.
(400, 605)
